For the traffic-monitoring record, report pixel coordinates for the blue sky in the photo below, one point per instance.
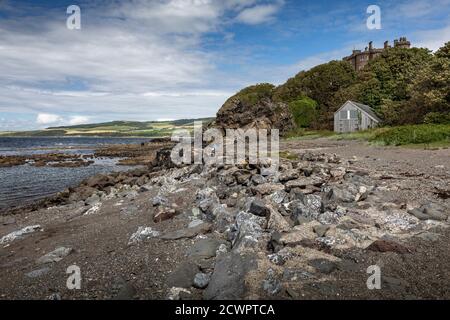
(171, 59)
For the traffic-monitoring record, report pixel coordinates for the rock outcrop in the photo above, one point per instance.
(252, 109)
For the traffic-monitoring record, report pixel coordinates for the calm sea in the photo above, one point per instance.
(24, 184)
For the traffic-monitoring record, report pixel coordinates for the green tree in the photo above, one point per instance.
(320, 84)
(253, 94)
(430, 89)
(388, 76)
(304, 111)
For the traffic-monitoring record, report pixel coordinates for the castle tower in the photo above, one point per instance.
(402, 42)
(359, 59)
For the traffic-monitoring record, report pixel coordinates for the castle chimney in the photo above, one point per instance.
(386, 44)
(370, 46)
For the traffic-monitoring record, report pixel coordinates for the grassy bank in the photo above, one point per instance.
(411, 135)
(303, 134)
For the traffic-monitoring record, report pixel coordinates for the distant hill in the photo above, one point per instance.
(114, 129)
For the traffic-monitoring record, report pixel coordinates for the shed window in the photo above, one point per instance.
(343, 114)
(353, 114)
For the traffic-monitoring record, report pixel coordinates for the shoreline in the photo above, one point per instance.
(88, 136)
(127, 154)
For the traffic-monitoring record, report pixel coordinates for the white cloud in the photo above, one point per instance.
(418, 8)
(141, 59)
(75, 120)
(259, 13)
(48, 118)
(432, 39)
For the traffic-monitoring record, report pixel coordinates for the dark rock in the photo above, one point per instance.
(348, 225)
(348, 265)
(183, 276)
(203, 249)
(267, 188)
(275, 243)
(280, 257)
(276, 221)
(279, 197)
(55, 256)
(243, 177)
(92, 200)
(38, 273)
(323, 265)
(100, 181)
(311, 206)
(239, 113)
(419, 214)
(258, 179)
(223, 219)
(339, 195)
(159, 200)
(228, 180)
(228, 280)
(289, 175)
(292, 293)
(304, 182)
(249, 231)
(388, 246)
(163, 158)
(272, 285)
(299, 220)
(205, 264)
(435, 211)
(201, 280)
(430, 211)
(429, 236)
(81, 193)
(187, 233)
(54, 296)
(259, 208)
(321, 230)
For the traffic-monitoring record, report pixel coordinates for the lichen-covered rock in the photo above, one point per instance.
(252, 109)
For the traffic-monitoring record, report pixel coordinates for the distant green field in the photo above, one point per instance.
(114, 129)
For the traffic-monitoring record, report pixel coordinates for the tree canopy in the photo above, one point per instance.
(404, 86)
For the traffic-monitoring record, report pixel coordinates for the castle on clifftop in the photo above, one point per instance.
(359, 58)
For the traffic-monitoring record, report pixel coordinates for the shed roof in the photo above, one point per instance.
(364, 108)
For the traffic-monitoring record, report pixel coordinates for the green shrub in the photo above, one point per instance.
(304, 111)
(437, 118)
(413, 134)
(251, 95)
